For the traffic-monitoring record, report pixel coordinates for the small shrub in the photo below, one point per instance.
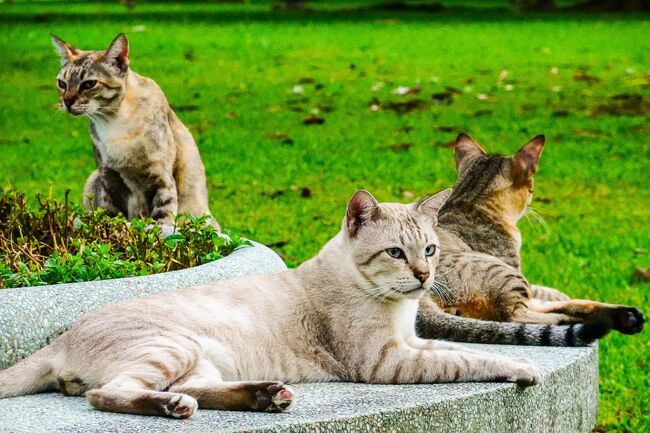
(58, 242)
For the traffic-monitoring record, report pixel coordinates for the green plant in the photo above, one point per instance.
(57, 242)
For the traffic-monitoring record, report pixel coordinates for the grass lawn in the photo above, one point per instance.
(244, 80)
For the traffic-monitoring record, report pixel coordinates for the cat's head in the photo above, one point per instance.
(393, 246)
(92, 82)
(502, 184)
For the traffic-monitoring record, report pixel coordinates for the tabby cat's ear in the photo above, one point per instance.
(431, 205)
(362, 208)
(66, 51)
(525, 161)
(117, 54)
(465, 150)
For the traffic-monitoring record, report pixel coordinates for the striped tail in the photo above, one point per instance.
(443, 326)
(33, 374)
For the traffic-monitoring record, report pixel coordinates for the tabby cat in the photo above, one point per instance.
(347, 314)
(479, 275)
(147, 161)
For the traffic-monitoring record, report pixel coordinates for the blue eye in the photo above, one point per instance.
(395, 252)
(430, 250)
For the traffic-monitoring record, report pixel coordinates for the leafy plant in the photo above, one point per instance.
(58, 242)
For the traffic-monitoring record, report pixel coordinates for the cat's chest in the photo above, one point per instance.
(117, 146)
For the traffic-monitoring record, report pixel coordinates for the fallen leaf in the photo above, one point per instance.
(274, 194)
(587, 132)
(406, 106)
(480, 113)
(407, 194)
(502, 76)
(584, 76)
(306, 80)
(313, 120)
(400, 146)
(230, 115)
(403, 90)
(186, 107)
(642, 274)
(448, 144)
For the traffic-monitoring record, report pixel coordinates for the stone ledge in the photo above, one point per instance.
(566, 402)
(32, 316)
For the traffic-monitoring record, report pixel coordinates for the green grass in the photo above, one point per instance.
(232, 68)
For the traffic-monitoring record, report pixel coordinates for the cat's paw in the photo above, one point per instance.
(525, 373)
(274, 397)
(628, 320)
(180, 406)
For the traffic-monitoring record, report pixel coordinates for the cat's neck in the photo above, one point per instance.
(483, 231)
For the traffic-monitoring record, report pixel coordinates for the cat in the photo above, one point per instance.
(148, 164)
(479, 275)
(347, 314)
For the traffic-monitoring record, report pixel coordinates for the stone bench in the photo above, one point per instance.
(566, 402)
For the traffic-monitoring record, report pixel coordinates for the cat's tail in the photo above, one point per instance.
(36, 373)
(442, 326)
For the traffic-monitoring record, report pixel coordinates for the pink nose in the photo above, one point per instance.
(422, 276)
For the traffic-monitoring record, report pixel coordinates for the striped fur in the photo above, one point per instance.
(479, 275)
(347, 314)
(148, 164)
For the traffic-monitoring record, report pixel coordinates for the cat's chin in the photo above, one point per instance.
(411, 294)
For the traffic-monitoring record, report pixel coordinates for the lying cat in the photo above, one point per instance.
(147, 161)
(347, 314)
(479, 274)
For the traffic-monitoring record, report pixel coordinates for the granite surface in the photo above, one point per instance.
(566, 402)
(32, 316)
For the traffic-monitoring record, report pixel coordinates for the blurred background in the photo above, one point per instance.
(296, 104)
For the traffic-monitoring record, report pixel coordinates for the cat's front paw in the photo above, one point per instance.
(274, 397)
(525, 373)
(628, 320)
(180, 406)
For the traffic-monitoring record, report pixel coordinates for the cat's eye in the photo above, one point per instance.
(430, 250)
(88, 84)
(61, 84)
(395, 252)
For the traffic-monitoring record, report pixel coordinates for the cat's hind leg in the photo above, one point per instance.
(106, 189)
(547, 293)
(206, 386)
(127, 395)
(625, 319)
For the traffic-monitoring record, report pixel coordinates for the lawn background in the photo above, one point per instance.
(231, 72)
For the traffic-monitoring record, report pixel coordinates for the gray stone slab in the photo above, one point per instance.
(566, 402)
(32, 316)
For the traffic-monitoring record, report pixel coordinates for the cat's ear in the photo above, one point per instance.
(525, 161)
(362, 208)
(465, 150)
(117, 54)
(66, 51)
(431, 205)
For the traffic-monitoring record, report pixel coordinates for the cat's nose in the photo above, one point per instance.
(422, 276)
(68, 102)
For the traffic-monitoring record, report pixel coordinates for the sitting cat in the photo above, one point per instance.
(479, 274)
(347, 314)
(147, 161)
